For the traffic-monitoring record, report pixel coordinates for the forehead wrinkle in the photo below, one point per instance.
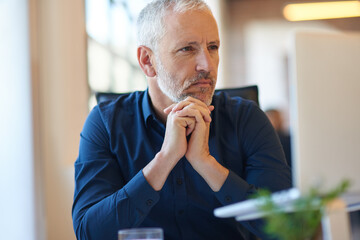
(182, 23)
(215, 42)
(186, 32)
(197, 42)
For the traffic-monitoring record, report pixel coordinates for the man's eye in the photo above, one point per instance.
(186, 49)
(213, 47)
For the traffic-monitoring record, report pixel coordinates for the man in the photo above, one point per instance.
(169, 156)
(276, 120)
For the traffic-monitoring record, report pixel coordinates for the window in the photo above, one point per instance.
(112, 63)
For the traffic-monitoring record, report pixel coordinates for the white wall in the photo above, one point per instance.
(266, 53)
(17, 208)
(218, 9)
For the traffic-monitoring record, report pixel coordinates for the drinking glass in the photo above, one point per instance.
(141, 234)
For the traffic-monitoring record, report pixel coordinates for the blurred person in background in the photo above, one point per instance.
(277, 121)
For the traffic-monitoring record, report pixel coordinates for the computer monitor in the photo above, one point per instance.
(324, 120)
(325, 110)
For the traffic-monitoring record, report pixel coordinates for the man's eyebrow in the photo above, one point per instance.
(193, 43)
(217, 42)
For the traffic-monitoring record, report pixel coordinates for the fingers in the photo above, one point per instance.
(189, 100)
(169, 108)
(191, 103)
(194, 113)
(192, 110)
(188, 123)
(180, 105)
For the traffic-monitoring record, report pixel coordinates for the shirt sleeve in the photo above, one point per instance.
(263, 159)
(227, 195)
(264, 163)
(103, 202)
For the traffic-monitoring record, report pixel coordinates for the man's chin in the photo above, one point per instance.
(204, 97)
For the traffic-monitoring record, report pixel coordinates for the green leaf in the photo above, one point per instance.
(304, 222)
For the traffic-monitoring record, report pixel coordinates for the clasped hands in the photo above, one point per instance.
(190, 116)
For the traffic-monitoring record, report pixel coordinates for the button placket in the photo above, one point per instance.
(179, 181)
(180, 195)
(228, 199)
(149, 202)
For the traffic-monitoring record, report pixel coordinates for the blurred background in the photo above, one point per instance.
(54, 55)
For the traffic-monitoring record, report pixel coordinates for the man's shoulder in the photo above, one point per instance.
(224, 100)
(122, 102)
(121, 108)
(236, 110)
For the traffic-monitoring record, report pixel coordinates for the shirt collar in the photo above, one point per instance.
(147, 107)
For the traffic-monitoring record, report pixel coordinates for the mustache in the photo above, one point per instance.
(198, 77)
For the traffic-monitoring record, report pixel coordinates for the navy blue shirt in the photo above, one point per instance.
(121, 137)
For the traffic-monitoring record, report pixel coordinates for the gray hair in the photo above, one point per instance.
(150, 23)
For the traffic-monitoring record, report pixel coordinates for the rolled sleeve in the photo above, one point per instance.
(234, 189)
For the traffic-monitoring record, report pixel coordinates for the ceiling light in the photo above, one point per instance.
(321, 10)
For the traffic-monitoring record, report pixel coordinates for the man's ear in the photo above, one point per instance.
(144, 55)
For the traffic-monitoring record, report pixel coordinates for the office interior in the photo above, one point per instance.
(46, 93)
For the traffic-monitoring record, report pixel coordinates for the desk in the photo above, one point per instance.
(335, 221)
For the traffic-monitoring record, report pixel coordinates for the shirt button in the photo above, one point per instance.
(228, 199)
(149, 202)
(179, 181)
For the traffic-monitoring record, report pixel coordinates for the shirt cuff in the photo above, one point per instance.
(141, 194)
(234, 189)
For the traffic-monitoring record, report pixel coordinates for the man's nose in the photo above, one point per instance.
(205, 62)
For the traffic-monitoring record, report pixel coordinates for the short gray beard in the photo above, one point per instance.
(167, 84)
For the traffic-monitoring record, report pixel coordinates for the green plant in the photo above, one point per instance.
(304, 221)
